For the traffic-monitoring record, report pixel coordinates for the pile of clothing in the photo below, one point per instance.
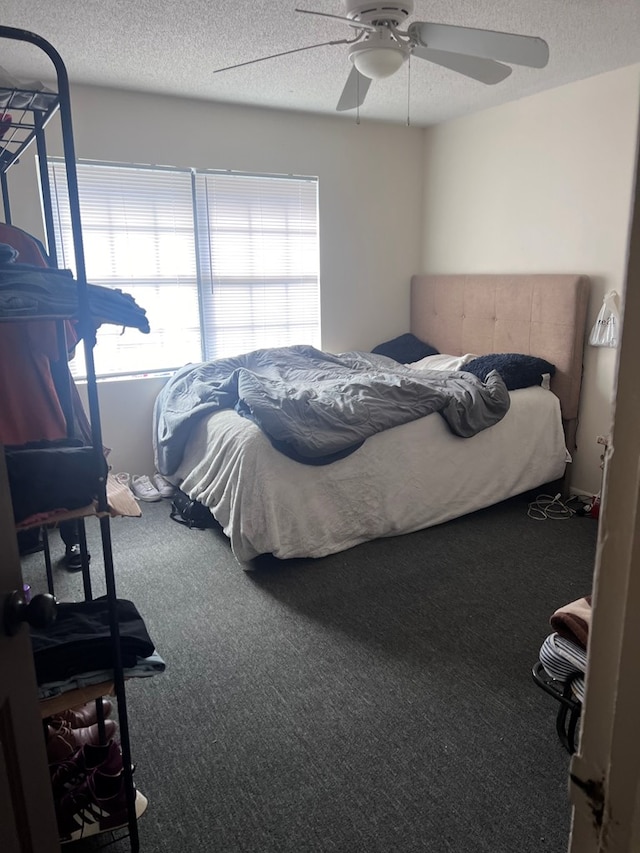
(76, 651)
(28, 290)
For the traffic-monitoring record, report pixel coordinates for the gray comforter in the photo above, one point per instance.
(317, 407)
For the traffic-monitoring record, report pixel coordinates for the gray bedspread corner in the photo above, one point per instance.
(467, 420)
(317, 407)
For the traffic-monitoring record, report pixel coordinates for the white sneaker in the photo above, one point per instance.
(143, 488)
(165, 488)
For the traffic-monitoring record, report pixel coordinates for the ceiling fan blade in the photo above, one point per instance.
(485, 70)
(284, 53)
(359, 25)
(488, 44)
(354, 92)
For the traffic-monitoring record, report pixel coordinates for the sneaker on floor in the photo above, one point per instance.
(72, 559)
(143, 488)
(165, 488)
(98, 804)
(63, 741)
(84, 715)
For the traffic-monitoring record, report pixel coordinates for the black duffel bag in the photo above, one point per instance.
(45, 476)
(191, 513)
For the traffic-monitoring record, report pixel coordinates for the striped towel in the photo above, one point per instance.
(561, 659)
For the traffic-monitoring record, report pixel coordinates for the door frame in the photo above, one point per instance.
(605, 773)
(27, 817)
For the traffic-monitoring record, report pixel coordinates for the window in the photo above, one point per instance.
(222, 262)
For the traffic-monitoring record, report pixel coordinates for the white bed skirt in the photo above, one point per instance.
(407, 478)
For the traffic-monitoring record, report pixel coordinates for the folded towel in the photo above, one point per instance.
(573, 621)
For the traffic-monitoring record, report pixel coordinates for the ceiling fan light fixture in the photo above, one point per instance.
(379, 55)
(378, 62)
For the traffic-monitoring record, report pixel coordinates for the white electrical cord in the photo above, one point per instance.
(546, 506)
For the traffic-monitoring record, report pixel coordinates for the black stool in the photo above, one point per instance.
(570, 708)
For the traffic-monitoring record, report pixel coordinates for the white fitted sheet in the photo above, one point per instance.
(404, 479)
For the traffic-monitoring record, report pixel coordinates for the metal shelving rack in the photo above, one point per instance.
(35, 109)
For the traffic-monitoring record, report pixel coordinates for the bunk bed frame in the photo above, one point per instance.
(36, 109)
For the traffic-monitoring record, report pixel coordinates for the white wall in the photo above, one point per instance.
(370, 211)
(542, 185)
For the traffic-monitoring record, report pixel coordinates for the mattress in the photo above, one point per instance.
(401, 480)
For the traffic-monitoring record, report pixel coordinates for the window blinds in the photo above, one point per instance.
(223, 263)
(258, 245)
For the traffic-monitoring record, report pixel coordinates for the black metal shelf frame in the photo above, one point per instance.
(39, 107)
(568, 716)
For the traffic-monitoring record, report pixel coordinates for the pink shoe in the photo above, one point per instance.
(63, 741)
(83, 715)
(68, 774)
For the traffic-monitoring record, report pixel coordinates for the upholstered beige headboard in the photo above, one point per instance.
(542, 315)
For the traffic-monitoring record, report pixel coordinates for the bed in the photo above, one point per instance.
(419, 473)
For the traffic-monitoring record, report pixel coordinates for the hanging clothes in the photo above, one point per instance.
(31, 408)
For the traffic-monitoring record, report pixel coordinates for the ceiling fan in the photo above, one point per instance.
(379, 47)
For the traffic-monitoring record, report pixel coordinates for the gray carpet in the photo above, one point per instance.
(377, 700)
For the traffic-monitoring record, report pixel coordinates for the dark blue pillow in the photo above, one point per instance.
(517, 370)
(405, 349)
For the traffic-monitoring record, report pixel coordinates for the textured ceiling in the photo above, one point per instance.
(170, 47)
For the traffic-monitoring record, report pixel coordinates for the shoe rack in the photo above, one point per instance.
(24, 116)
